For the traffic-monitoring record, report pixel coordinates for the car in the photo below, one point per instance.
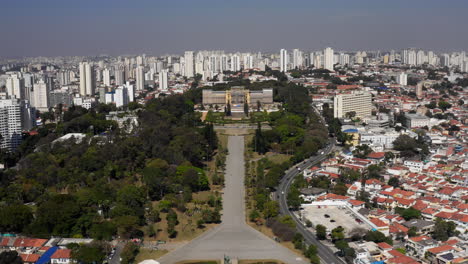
(299, 169)
(282, 192)
(326, 216)
(332, 221)
(321, 153)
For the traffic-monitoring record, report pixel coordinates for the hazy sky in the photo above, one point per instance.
(91, 27)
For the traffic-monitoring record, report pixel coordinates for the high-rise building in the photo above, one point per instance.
(82, 78)
(140, 78)
(130, 92)
(15, 116)
(121, 96)
(419, 90)
(87, 79)
(283, 60)
(235, 63)
(163, 80)
(106, 77)
(119, 74)
(402, 78)
(328, 59)
(358, 102)
(188, 59)
(40, 96)
(297, 59)
(15, 87)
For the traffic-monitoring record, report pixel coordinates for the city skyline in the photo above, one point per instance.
(85, 28)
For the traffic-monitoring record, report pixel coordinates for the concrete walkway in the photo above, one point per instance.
(233, 237)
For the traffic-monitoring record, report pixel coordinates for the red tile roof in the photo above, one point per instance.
(384, 245)
(440, 249)
(30, 258)
(61, 254)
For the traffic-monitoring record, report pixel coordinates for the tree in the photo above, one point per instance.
(321, 232)
(246, 109)
(92, 253)
(311, 251)
(14, 218)
(394, 181)
(377, 237)
(294, 200)
(412, 231)
(409, 213)
(129, 253)
(254, 215)
(337, 233)
(443, 230)
(10, 257)
(271, 209)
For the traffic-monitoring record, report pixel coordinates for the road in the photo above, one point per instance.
(118, 250)
(233, 237)
(324, 252)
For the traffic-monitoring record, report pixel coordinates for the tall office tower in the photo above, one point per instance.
(235, 63)
(119, 75)
(106, 77)
(358, 102)
(328, 59)
(15, 87)
(82, 67)
(98, 74)
(140, 78)
(402, 79)
(420, 57)
(283, 60)
(15, 116)
(445, 60)
(169, 60)
(297, 59)
(465, 66)
(121, 96)
(188, 58)
(40, 96)
(223, 65)
(214, 63)
(163, 80)
(411, 57)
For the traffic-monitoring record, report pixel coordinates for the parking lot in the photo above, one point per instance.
(337, 216)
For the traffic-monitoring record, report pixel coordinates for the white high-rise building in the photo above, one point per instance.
(119, 74)
(328, 59)
(188, 59)
(40, 96)
(420, 57)
(15, 116)
(283, 60)
(130, 92)
(402, 78)
(223, 66)
(87, 79)
(412, 57)
(140, 78)
(235, 63)
(106, 77)
(82, 78)
(297, 59)
(163, 80)
(121, 96)
(358, 102)
(15, 87)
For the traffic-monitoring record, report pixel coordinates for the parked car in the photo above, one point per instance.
(326, 216)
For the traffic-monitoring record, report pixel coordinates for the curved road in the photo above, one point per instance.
(233, 237)
(324, 252)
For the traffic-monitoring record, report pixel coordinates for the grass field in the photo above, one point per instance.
(149, 254)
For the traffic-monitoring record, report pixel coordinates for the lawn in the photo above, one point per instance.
(149, 254)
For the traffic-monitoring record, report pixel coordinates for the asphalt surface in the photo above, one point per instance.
(233, 237)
